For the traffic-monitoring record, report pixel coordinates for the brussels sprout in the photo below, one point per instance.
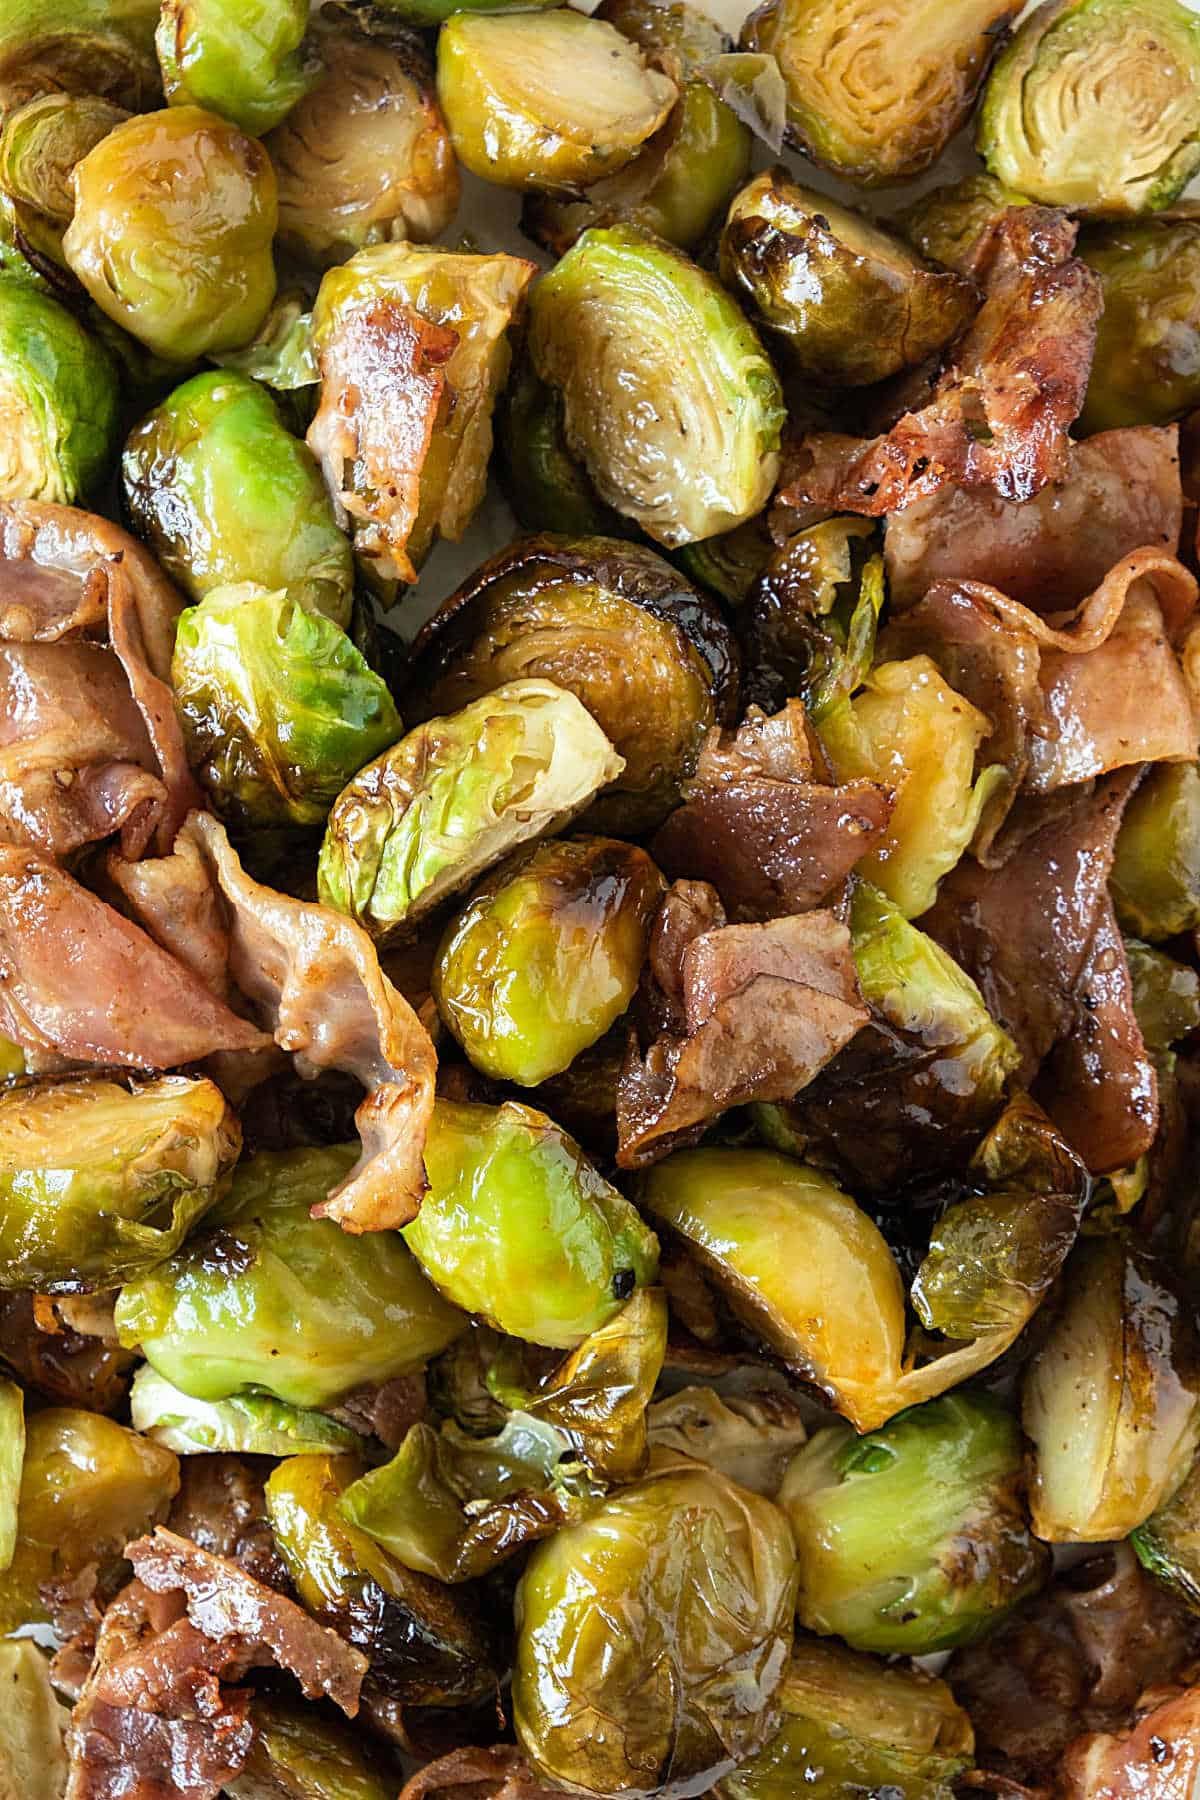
(58, 392)
(103, 47)
(947, 1550)
(549, 100)
(275, 1300)
(280, 354)
(365, 158)
(911, 730)
(252, 1424)
(1155, 880)
(544, 485)
(424, 1642)
(1168, 1543)
(496, 1172)
(851, 1726)
(849, 302)
(103, 1180)
(278, 708)
(1147, 364)
(671, 31)
(1112, 1397)
(241, 61)
(301, 1754)
(947, 223)
(174, 216)
(653, 662)
(12, 1454)
(812, 619)
(730, 564)
(653, 1636)
(426, 818)
(88, 1485)
(1166, 995)
(751, 1437)
(43, 140)
(870, 102)
(621, 319)
(546, 955)
(33, 1725)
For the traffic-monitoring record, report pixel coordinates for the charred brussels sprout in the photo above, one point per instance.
(58, 399)
(12, 1454)
(546, 955)
(101, 1181)
(1156, 870)
(1095, 104)
(913, 1538)
(238, 58)
(812, 615)
(454, 796)
(246, 1424)
(299, 1753)
(848, 300)
(174, 216)
(1168, 1544)
(947, 223)
(519, 1228)
(624, 318)
(43, 140)
(1146, 369)
(653, 1637)
(872, 104)
(650, 658)
(547, 100)
(222, 493)
(103, 47)
(274, 1300)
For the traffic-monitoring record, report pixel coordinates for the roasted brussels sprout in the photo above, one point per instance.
(852, 1726)
(867, 104)
(275, 1300)
(1095, 105)
(103, 1180)
(1112, 1397)
(546, 487)
(300, 1754)
(365, 158)
(1146, 369)
(41, 142)
(730, 564)
(453, 796)
(519, 1228)
(88, 1485)
(653, 1636)
(751, 1437)
(1168, 1543)
(812, 615)
(546, 955)
(848, 301)
(913, 1538)
(1166, 995)
(1155, 879)
(249, 1424)
(241, 61)
(278, 708)
(619, 319)
(650, 658)
(33, 1725)
(671, 31)
(549, 100)
(222, 493)
(103, 47)
(947, 223)
(174, 216)
(12, 1454)
(58, 392)
(280, 354)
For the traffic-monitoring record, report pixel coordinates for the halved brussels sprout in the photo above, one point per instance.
(1112, 1397)
(545, 486)
(652, 1637)
(947, 223)
(249, 1424)
(103, 47)
(12, 1454)
(425, 1644)
(174, 216)
(1166, 995)
(102, 1180)
(546, 955)
(365, 158)
(222, 493)
(651, 659)
(1095, 105)
(548, 100)
(914, 1538)
(453, 796)
(910, 730)
(278, 708)
(239, 58)
(299, 1753)
(275, 1300)
(1155, 880)
(33, 1725)
(519, 1228)
(58, 399)
(41, 142)
(88, 1485)
(849, 301)
(620, 320)
(751, 1437)
(852, 1725)
(870, 101)
(1168, 1543)
(1146, 370)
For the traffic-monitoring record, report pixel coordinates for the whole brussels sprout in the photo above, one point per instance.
(1168, 1543)
(1155, 878)
(620, 320)
(544, 485)
(300, 1753)
(1146, 370)
(174, 216)
(58, 392)
(947, 223)
(652, 1637)
(549, 100)
(546, 955)
(103, 47)
(41, 142)
(246, 1424)
(849, 302)
(519, 1228)
(913, 1538)
(12, 1455)
(453, 796)
(278, 708)
(101, 1180)
(240, 59)
(275, 1300)
(1095, 105)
